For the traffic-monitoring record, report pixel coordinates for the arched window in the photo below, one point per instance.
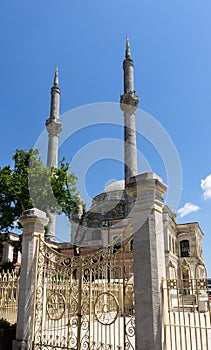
(184, 248)
(117, 243)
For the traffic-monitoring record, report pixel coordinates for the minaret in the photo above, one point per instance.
(128, 103)
(54, 127)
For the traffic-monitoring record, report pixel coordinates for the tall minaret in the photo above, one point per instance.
(128, 103)
(54, 127)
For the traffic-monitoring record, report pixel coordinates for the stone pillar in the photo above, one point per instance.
(149, 259)
(33, 221)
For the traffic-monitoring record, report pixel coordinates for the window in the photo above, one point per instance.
(131, 245)
(169, 242)
(174, 246)
(15, 257)
(117, 243)
(209, 288)
(184, 248)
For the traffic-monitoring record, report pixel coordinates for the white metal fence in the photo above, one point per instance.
(9, 288)
(187, 316)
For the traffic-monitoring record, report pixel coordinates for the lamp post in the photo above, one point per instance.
(108, 224)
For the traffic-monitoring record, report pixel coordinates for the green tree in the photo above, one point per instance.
(30, 184)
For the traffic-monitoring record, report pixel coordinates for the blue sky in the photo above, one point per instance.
(171, 48)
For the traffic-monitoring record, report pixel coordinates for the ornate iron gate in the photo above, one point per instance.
(85, 302)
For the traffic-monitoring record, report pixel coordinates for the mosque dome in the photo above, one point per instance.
(115, 186)
(112, 193)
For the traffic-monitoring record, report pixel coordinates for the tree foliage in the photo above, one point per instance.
(30, 184)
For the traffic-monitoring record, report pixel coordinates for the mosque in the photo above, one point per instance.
(108, 221)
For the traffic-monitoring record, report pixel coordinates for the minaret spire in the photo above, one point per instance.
(55, 96)
(54, 127)
(128, 103)
(127, 51)
(56, 77)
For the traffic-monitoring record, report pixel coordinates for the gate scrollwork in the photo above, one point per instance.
(56, 305)
(106, 308)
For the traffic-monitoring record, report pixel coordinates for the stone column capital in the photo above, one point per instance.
(150, 181)
(147, 191)
(33, 221)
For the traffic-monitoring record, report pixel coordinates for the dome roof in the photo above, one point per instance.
(115, 186)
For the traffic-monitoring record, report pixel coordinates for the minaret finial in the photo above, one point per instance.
(127, 51)
(56, 77)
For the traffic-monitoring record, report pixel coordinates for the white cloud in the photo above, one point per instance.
(206, 187)
(187, 209)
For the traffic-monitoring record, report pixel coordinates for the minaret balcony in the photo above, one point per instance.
(129, 100)
(53, 126)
